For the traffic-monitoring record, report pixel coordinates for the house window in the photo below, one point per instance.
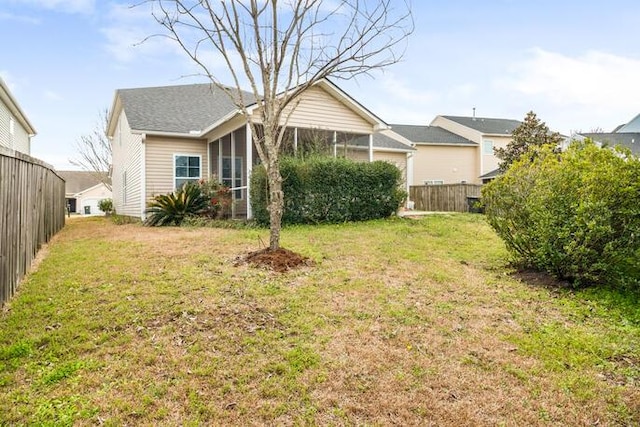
(487, 147)
(12, 126)
(186, 169)
(433, 182)
(236, 181)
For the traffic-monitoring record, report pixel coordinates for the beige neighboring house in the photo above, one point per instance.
(162, 137)
(84, 190)
(15, 129)
(455, 149)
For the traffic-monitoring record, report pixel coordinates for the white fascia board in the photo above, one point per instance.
(220, 122)
(199, 135)
(15, 109)
(447, 144)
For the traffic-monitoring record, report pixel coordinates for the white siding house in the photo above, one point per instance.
(15, 129)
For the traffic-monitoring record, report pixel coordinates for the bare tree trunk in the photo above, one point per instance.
(274, 181)
(282, 49)
(276, 204)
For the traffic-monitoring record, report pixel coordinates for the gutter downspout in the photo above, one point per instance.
(143, 176)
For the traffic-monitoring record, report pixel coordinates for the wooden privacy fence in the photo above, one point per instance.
(32, 208)
(443, 198)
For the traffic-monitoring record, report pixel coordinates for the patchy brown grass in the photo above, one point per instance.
(406, 322)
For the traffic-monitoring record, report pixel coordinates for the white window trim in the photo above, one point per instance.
(433, 182)
(175, 158)
(484, 145)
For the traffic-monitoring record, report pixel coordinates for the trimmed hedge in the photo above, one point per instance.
(575, 215)
(328, 190)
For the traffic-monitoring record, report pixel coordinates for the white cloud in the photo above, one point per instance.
(5, 16)
(127, 32)
(394, 99)
(133, 36)
(67, 6)
(595, 89)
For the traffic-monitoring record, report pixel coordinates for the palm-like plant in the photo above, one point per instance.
(172, 208)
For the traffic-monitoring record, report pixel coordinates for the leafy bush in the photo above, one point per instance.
(106, 206)
(172, 208)
(219, 197)
(575, 215)
(328, 190)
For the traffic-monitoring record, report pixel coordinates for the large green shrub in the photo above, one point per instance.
(328, 190)
(575, 215)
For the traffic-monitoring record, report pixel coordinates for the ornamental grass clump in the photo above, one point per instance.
(173, 208)
(204, 198)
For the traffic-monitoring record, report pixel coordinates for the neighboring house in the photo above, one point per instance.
(441, 157)
(83, 191)
(15, 129)
(627, 135)
(162, 137)
(454, 149)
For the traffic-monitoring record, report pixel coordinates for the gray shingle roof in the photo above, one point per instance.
(381, 140)
(178, 109)
(487, 125)
(430, 134)
(77, 181)
(492, 174)
(628, 139)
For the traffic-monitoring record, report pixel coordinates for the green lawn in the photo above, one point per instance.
(400, 322)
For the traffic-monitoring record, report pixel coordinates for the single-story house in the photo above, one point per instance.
(15, 129)
(455, 149)
(162, 137)
(84, 191)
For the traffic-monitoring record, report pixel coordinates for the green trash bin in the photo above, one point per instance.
(87, 210)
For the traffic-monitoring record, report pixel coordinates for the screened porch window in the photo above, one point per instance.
(187, 168)
(236, 181)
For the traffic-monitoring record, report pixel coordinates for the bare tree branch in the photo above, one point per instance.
(280, 49)
(94, 151)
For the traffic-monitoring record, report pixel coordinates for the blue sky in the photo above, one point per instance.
(575, 63)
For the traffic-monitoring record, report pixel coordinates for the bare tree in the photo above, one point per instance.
(94, 151)
(280, 49)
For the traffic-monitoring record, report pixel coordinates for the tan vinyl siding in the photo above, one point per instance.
(159, 158)
(397, 159)
(448, 163)
(226, 128)
(491, 162)
(318, 109)
(127, 158)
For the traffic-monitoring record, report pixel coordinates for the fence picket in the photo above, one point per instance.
(443, 198)
(32, 208)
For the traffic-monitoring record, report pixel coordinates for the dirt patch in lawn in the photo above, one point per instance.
(279, 260)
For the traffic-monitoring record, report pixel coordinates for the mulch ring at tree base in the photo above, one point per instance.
(279, 260)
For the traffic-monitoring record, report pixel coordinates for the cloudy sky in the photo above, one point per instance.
(575, 63)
